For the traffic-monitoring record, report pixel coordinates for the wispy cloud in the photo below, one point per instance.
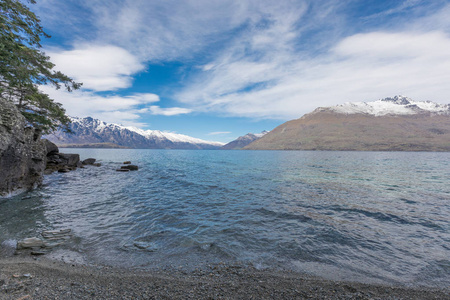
(284, 84)
(219, 132)
(126, 110)
(401, 7)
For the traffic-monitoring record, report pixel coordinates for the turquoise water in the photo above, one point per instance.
(366, 216)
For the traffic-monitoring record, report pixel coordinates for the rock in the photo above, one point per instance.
(89, 161)
(123, 170)
(130, 167)
(48, 171)
(52, 149)
(49, 234)
(97, 165)
(127, 162)
(52, 238)
(62, 162)
(30, 243)
(70, 160)
(22, 152)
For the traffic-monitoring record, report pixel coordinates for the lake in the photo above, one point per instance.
(363, 216)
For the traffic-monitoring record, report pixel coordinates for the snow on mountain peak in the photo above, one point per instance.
(99, 127)
(397, 105)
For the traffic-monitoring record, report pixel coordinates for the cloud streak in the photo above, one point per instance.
(219, 132)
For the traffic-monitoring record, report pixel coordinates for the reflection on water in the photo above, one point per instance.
(372, 216)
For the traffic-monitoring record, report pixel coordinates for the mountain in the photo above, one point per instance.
(243, 141)
(88, 131)
(390, 124)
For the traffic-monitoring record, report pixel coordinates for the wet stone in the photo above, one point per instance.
(89, 161)
(30, 243)
(130, 167)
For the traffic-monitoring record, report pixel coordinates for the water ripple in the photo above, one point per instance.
(372, 216)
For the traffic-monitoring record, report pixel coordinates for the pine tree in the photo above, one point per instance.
(24, 66)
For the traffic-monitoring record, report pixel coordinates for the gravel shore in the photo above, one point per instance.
(31, 278)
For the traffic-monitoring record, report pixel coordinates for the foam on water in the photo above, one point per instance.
(372, 216)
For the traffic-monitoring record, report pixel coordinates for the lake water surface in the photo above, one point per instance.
(365, 216)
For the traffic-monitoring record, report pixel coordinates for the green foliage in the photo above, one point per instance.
(23, 67)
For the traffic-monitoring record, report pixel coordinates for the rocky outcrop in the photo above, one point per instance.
(60, 162)
(22, 152)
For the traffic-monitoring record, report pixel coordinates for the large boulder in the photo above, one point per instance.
(22, 152)
(89, 161)
(52, 149)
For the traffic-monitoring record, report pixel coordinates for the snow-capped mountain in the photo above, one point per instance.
(391, 124)
(398, 105)
(243, 141)
(93, 131)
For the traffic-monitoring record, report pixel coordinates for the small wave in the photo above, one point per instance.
(283, 215)
(387, 217)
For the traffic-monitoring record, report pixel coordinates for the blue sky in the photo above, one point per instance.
(217, 70)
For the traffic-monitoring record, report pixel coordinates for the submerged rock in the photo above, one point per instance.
(51, 238)
(29, 243)
(62, 233)
(127, 162)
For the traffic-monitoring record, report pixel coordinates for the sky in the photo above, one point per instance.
(217, 70)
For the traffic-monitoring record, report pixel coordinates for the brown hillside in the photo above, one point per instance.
(327, 130)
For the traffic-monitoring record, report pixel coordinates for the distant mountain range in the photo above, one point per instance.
(89, 132)
(390, 124)
(243, 141)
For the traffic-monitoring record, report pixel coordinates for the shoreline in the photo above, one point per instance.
(24, 277)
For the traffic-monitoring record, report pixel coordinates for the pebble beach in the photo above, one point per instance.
(26, 277)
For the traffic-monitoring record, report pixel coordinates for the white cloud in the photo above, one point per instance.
(266, 59)
(126, 110)
(219, 132)
(99, 68)
(170, 111)
(362, 67)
